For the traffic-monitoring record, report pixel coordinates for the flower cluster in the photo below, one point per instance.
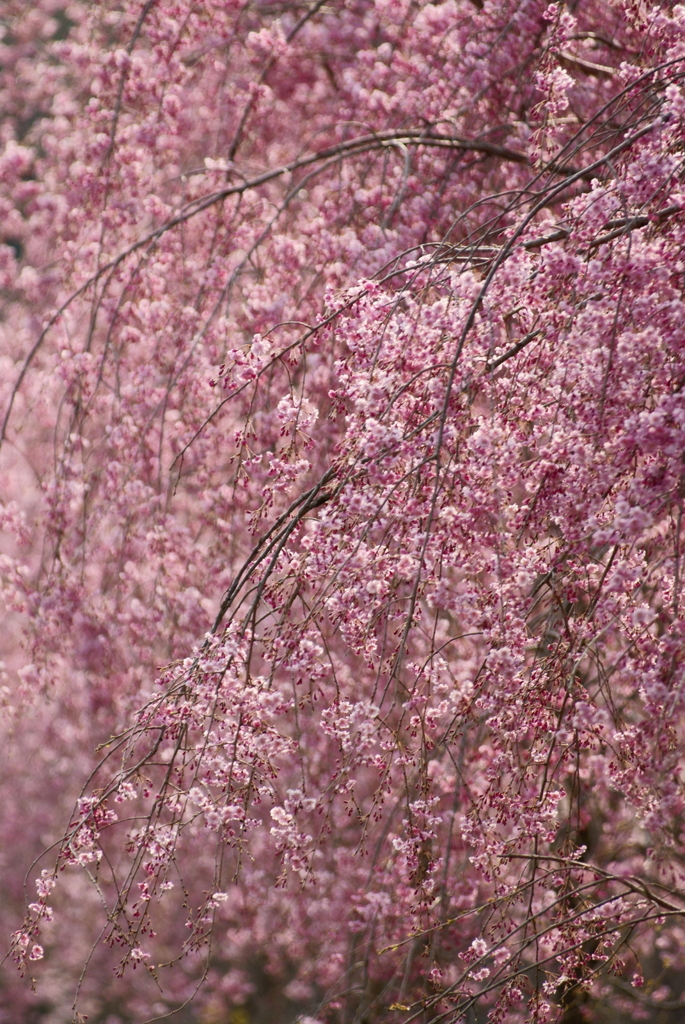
(343, 397)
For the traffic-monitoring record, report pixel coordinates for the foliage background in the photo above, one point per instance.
(342, 487)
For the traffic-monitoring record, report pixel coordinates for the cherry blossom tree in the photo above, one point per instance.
(342, 491)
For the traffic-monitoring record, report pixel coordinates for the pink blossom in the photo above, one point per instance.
(341, 462)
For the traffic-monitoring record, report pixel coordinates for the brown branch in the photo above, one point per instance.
(554, 236)
(601, 70)
(514, 350)
(620, 226)
(627, 224)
